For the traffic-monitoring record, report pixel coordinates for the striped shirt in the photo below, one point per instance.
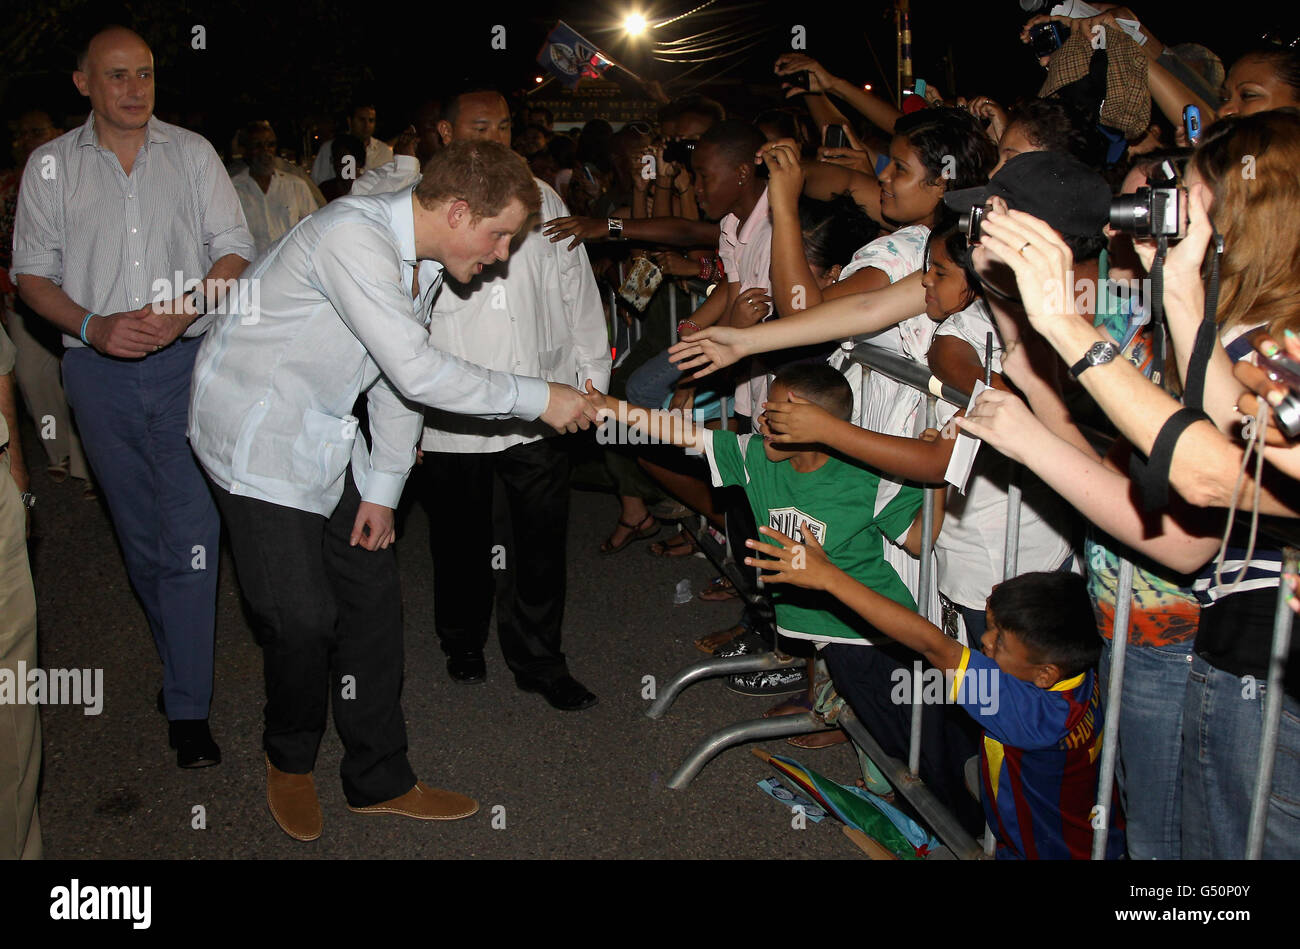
(117, 242)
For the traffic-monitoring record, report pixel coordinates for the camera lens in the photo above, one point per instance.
(1131, 213)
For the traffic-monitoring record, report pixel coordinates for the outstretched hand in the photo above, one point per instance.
(1004, 421)
(568, 409)
(799, 564)
(711, 349)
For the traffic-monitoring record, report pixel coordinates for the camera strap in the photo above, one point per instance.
(1152, 474)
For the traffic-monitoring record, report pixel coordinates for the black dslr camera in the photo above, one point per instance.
(1157, 209)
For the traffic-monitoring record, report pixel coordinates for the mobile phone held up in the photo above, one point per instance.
(836, 137)
(1192, 124)
(797, 79)
(1046, 38)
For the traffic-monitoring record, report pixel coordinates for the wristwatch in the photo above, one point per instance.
(615, 229)
(28, 500)
(1098, 354)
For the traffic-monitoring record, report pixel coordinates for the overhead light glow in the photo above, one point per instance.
(634, 23)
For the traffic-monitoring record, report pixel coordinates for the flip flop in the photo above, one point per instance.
(637, 533)
(717, 590)
(674, 547)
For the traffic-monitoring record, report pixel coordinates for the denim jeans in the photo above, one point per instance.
(653, 382)
(1149, 769)
(132, 414)
(1223, 719)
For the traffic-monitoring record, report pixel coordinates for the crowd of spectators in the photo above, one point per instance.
(1124, 363)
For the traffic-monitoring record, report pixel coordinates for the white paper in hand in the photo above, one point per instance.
(963, 453)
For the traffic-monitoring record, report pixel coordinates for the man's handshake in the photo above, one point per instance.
(570, 409)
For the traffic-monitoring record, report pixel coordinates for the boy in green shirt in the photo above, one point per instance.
(846, 507)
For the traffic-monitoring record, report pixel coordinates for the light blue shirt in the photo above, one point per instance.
(325, 315)
(116, 242)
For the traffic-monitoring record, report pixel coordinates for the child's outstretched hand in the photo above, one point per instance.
(599, 401)
(802, 564)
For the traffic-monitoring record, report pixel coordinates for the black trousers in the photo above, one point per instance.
(521, 565)
(864, 675)
(329, 620)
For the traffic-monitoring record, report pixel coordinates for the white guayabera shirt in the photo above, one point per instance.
(537, 313)
(271, 213)
(324, 316)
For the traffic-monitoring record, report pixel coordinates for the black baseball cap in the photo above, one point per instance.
(1054, 187)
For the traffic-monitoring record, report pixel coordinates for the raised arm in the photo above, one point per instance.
(673, 231)
(664, 427)
(806, 565)
(841, 318)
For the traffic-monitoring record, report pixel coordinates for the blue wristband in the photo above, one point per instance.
(84, 324)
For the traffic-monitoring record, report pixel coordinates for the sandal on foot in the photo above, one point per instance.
(638, 532)
(708, 644)
(680, 544)
(717, 590)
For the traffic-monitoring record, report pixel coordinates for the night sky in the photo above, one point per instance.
(288, 62)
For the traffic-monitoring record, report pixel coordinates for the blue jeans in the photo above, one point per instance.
(1224, 718)
(132, 415)
(653, 382)
(1149, 767)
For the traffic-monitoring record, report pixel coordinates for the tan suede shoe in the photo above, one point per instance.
(293, 802)
(425, 803)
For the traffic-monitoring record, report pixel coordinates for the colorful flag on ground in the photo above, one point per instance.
(857, 808)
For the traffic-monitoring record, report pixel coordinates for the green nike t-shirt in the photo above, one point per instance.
(842, 505)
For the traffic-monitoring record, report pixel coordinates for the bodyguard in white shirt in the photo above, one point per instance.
(538, 313)
(340, 307)
(273, 200)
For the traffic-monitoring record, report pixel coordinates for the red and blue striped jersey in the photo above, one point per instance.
(1040, 760)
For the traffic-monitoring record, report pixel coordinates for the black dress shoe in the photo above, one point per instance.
(565, 693)
(467, 668)
(193, 743)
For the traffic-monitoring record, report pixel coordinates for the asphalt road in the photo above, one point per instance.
(552, 784)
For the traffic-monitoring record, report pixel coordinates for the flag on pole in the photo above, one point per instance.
(571, 57)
